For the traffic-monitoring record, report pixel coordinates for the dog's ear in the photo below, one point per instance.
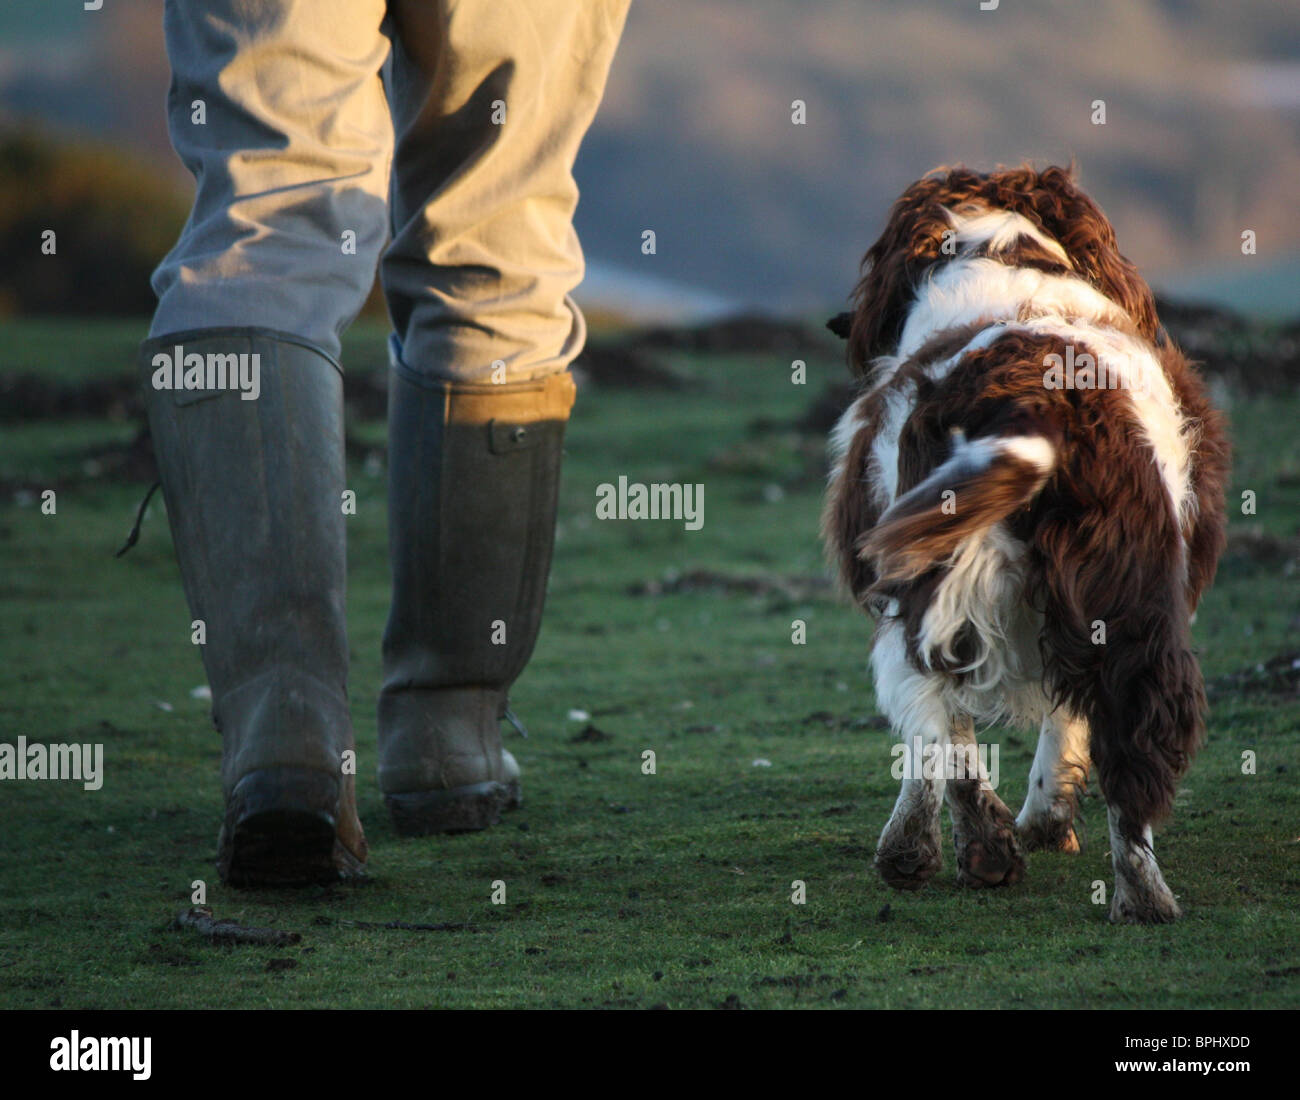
(841, 324)
(912, 241)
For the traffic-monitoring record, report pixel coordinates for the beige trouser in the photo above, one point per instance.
(286, 111)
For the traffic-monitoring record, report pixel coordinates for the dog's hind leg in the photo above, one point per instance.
(1058, 775)
(1141, 894)
(908, 853)
(1146, 723)
(983, 830)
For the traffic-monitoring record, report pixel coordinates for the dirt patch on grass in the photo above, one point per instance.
(25, 397)
(739, 334)
(707, 580)
(1252, 357)
(1278, 675)
(624, 366)
(1251, 549)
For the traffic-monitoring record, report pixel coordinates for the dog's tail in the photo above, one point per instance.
(983, 481)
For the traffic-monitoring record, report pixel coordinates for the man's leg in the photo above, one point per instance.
(490, 102)
(277, 107)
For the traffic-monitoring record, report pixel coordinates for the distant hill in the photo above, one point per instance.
(695, 140)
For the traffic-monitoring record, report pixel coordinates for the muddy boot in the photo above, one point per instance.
(473, 480)
(254, 492)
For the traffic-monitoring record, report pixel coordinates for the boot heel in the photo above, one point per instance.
(459, 810)
(280, 829)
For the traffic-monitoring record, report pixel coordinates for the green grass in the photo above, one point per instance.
(622, 889)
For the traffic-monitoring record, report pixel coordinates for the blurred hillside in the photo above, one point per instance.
(695, 140)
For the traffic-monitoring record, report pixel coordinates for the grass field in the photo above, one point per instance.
(622, 889)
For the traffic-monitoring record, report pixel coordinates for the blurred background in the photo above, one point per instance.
(695, 141)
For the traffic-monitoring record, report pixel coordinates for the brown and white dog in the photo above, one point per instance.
(1028, 494)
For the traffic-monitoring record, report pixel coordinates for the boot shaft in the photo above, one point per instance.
(253, 488)
(474, 475)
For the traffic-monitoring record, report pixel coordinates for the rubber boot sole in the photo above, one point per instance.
(465, 809)
(280, 830)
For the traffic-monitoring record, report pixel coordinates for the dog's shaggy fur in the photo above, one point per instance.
(1028, 494)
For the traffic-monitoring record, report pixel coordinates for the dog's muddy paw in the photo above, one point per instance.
(990, 862)
(1151, 907)
(909, 866)
(988, 853)
(1049, 833)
